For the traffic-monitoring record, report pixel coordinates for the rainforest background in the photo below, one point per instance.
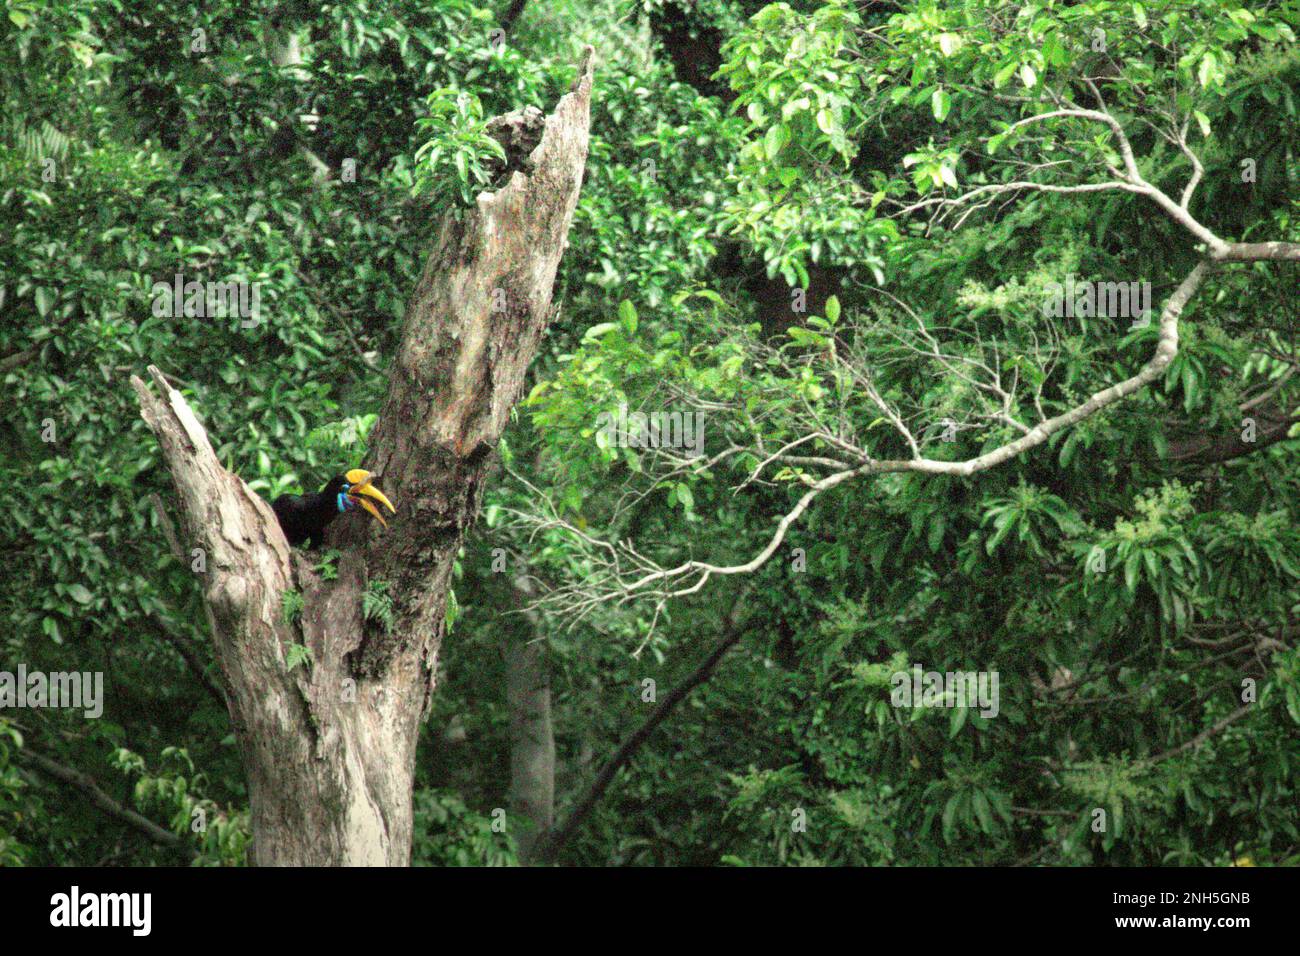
(765, 185)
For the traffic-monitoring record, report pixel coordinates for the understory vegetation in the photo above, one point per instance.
(857, 264)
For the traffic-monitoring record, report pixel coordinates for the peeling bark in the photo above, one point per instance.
(329, 746)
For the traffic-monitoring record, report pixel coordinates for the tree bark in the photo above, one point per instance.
(329, 746)
(513, 13)
(1274, 424)
(532, 742)
(532, 734)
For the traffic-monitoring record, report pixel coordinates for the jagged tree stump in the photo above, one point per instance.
(329, 747)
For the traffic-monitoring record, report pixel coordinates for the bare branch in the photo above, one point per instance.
(102, 801)
(620, 574)
(551, 844)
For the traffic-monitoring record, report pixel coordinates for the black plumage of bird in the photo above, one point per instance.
(304, 518)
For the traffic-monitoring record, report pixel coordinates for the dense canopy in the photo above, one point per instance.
(890, 339)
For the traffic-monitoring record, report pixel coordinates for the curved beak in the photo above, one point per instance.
(362, 492)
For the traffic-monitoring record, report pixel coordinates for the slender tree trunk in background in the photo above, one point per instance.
(532, 735)
(329, 745)
(548, 847)
(512, 13)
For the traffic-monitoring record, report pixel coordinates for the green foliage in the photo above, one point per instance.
(1034, 515)
(219, 835)
(1127, 587)
(328, 567)
(291, 606)
(447, 833)
(13, 801)
(453, 610)
(456, 160)
(343, 441)
(377, 603)
(796, 82)
(793, 80)
(297, 654)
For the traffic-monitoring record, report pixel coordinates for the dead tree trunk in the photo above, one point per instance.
(329, 746)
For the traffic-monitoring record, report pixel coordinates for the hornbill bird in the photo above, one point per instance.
(304, 518)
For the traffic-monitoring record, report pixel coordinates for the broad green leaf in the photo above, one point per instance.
(775, 140)
(940, 103)
(833, 309)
